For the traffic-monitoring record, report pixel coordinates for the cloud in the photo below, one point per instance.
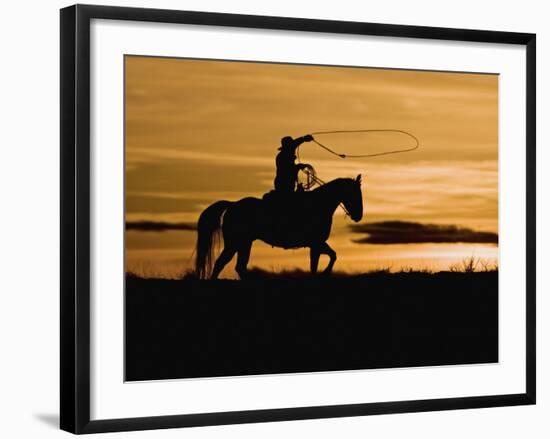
(158, 226)
(405, 232)
(142, 155)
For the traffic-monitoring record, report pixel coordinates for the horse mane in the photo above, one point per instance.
(333, 183)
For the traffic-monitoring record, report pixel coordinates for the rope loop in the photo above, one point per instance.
(361, 156)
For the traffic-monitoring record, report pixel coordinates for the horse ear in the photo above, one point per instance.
(358, 179)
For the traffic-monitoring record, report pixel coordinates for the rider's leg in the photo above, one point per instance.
(327, 250)
(223, 259)
(243, 256)
(314, 254)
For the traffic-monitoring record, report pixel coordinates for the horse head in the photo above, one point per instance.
(353, 198)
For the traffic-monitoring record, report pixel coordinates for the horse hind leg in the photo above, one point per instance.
(224, 258)
(243, 256)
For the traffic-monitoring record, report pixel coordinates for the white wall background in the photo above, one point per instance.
(29, 249)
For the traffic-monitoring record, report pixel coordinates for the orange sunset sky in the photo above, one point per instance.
(197, 131)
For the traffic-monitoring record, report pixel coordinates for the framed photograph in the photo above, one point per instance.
(268, 219)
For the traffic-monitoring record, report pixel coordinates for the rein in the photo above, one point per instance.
(322, 183)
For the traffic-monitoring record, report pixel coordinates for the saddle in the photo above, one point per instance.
(284, 210)
(278, 198)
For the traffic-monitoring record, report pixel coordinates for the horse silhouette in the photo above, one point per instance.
(296, 220)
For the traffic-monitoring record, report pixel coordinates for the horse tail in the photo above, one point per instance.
(208, 236)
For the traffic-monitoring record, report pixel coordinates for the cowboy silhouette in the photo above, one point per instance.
(287, 168)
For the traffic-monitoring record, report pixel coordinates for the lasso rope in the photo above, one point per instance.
(361, 156)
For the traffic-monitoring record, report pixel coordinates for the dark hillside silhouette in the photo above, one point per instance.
(296, 323)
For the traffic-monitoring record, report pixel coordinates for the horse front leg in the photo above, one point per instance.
(314, 254)
(327, 250)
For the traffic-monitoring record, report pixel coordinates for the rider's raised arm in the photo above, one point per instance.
(299, 140)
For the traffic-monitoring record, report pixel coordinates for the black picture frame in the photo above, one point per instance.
(75, 217)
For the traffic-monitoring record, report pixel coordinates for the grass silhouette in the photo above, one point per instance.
(470, 264)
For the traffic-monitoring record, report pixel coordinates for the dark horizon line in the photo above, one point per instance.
(159, 226)
(381, 232)
(409, 232)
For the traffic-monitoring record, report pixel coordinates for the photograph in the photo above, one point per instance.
(293, 218)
